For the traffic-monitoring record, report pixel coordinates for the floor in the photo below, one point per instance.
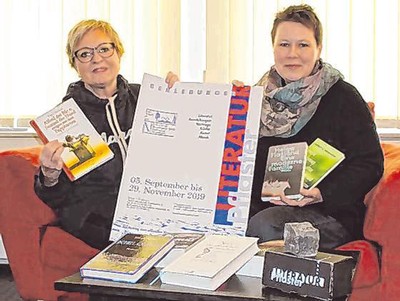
(8, 291)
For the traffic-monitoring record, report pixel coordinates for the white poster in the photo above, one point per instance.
(190, 159)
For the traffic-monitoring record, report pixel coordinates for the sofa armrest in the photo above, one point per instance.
(18, 198)
(383, 202)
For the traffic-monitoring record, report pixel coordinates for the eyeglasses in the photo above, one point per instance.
(86, 54)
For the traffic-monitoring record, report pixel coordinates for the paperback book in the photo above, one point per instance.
(284, 172)
(210, 262)
(322, 158)
(84, 149)
(129, 258)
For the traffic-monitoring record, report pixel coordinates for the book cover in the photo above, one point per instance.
(128, 258)
(210, 262)
(322, 158)
(284, 172)
(183, 241)
(84, 147)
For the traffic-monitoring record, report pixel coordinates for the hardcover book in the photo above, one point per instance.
(322, 158)
(284, 172)
(210, 262)
(128, 258)
(183, 242)
(84, 147)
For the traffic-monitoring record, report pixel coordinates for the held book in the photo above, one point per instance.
(284, 172)
(210, 262)
(128, 258)
(84, 149)
(322, 158)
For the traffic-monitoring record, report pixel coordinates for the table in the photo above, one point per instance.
(237, 288)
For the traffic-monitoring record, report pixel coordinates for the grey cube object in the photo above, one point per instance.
(301, 239)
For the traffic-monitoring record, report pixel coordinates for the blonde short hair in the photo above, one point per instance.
(83, 27)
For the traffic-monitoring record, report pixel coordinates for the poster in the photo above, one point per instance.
(190, 159)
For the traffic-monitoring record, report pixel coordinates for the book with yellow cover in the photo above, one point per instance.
(84, 147)
(128, 258)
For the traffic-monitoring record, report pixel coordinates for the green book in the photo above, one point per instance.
(322, 158)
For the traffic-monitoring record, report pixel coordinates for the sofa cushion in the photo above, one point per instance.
(367, 269)
(61, 250)
(383, 202)
(18, 194)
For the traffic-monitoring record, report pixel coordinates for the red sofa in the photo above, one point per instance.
(37, 260)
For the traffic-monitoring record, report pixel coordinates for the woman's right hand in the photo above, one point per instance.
(51, 162)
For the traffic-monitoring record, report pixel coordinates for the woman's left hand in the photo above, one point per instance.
(171, 79)
(310, 196)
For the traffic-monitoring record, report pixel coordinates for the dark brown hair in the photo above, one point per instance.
(303, 14)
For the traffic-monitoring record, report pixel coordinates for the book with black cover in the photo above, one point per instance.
(84, 147)
(284, 172)
(128, 258)
(183, 242)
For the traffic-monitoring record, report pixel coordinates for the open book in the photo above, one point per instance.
(84, 147)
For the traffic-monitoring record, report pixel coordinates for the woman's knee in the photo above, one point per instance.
(264, 226)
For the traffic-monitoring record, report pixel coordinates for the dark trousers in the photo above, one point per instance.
(269, 224)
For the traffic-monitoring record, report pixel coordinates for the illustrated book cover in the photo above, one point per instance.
(322, 158)
(210, 262)
(284, 171)
(129, 258)
(191, 166)
(84, 149)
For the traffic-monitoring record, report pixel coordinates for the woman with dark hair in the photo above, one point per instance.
(304, 99)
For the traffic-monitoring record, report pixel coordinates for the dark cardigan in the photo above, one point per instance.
(344, 121)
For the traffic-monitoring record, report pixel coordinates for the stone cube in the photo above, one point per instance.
(301, 239)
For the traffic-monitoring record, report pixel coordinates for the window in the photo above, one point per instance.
(215, 40)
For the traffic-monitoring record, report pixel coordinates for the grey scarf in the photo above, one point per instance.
(286, 109)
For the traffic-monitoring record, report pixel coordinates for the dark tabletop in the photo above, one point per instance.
(236, 288)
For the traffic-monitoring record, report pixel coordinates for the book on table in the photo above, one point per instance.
(84, 147)
(210, 261)
(128, 258)
(284, 171)
(322, 158)
(182, 243)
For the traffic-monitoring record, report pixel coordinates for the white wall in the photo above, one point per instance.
(17, 140)
(3, 255)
